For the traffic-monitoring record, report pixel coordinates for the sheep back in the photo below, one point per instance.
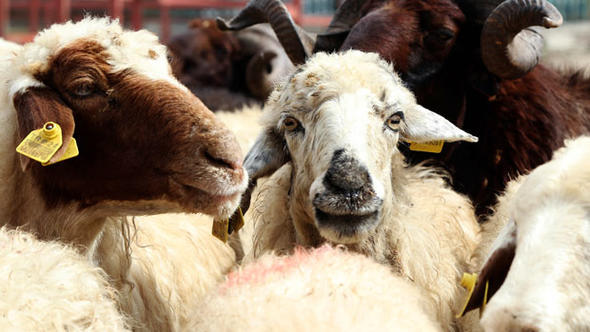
(323, 289)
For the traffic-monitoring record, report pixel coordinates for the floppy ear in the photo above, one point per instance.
(267, 155)
(34, 107)
(496, 267)
(422, 125)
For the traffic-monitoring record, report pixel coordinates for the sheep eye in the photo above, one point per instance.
(444, 34)
(291, 124)
(393, 122)
(84, 90)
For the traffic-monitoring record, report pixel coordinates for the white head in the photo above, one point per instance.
(338, 119)
(541, 260)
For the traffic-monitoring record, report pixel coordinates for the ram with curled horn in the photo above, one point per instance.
(476, 62)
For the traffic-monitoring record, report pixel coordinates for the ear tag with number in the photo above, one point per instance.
(431, 146)
(71, 152)
(41, 144)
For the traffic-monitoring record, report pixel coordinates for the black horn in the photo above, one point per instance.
(510, 47)
(296, 41)
(346, 16)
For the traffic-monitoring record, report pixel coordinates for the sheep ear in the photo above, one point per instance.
(423, 125)
(496, 267)
(267, 155)
(34, 107)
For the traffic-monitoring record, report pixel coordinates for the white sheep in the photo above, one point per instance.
(146, 145)
(47, 286)
(538, 265)
(324, 289)
(331, 131)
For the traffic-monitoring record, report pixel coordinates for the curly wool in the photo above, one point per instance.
(47, 286)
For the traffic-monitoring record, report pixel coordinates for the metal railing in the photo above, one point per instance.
(573, 10)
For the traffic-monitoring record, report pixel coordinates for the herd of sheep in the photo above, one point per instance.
(347, 227)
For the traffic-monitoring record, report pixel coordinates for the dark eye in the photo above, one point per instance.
(171, 59)
(84, 90)
(393, 122)
(291, 124)
(444, 34)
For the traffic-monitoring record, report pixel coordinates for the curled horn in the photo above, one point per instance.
(344, 19)
(509, 47)
(296, 42)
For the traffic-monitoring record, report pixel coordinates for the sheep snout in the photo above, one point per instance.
(346, 205)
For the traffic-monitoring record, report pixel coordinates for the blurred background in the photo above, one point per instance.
(566, 46)
(20, 18)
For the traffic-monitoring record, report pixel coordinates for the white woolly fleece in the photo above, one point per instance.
(325, 289)
(47, 286)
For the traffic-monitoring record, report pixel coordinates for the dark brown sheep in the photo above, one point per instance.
(474, 62)
(228, 70)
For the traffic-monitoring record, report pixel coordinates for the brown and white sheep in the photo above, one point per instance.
(48, 286)
(537, 263)
(331, 133)
(147, 145)
(324, 289)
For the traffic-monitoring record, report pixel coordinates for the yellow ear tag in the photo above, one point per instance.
(71, 152)
(41, 144)
(468, 282)
(485, 299)
(220, 229)
(237, 223)
(431, 146)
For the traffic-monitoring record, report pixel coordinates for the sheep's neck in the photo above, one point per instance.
(66, 222)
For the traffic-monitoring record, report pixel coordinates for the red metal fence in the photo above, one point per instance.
(60, 11)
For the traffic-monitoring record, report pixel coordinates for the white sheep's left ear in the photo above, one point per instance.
(423, 125)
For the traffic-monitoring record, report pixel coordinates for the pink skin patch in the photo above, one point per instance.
(257, 272)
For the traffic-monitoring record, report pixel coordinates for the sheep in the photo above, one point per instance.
(49, 286)
(324, 289)
(537, 266)
(228, 70)
(203, 59)
(187, 262)
(268, 63)
(328, 132)
(471, 61)
(146, 146)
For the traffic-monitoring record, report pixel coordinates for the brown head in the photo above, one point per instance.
(204, 55)
(142, 136)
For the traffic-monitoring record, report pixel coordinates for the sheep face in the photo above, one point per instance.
(204, 55)
(548, 240)
(339, 119)
(142, 135)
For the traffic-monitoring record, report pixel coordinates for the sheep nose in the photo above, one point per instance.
(346, 173)
(224, 153)
(223, 161)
